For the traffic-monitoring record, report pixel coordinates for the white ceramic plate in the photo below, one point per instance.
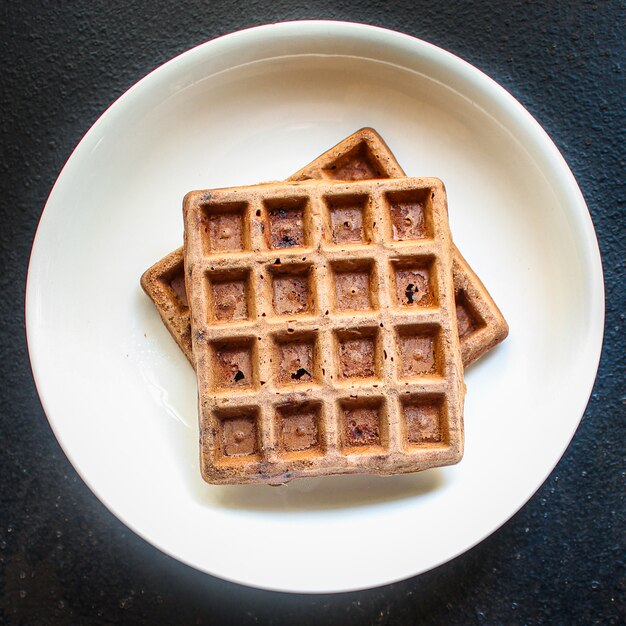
(257, 105)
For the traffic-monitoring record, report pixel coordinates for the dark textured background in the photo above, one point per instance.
(64, 559)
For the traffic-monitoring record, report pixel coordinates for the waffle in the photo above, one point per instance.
(323, 329)
(363, 155)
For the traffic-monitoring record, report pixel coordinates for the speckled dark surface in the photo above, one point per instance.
(64, 559)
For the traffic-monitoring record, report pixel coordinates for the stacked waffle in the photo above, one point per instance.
(329, 318)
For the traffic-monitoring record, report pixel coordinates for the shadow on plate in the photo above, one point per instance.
(329, 492)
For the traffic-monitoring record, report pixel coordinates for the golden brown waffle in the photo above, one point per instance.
(363, 155)
(314, 355)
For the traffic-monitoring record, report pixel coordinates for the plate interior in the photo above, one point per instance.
(122, 398)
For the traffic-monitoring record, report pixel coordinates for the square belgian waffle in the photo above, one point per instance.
(324, 329)
(361, 156)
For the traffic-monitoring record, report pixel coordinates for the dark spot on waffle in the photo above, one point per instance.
(362, 425)
(200, 335)
(231, 360)
(277, 262)
(206, 196)
(410, 290)
(297, 375)
(258, 213)
(287, 242)
(415, 282)
(282, 213)
(296, 359)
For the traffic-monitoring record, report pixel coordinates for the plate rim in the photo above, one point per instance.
(415, 47)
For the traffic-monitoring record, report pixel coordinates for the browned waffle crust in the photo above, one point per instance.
(363, 155)
(324, 329)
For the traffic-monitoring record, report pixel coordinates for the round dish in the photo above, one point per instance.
(257, 105)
